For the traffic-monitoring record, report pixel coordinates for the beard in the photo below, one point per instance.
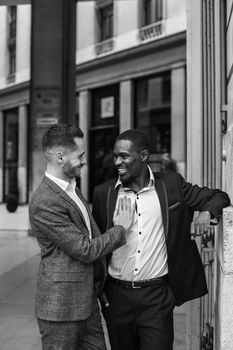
(71, 171)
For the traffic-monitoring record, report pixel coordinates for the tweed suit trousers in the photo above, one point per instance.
(74, 335)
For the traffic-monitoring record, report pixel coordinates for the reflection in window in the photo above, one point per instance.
(153, 109)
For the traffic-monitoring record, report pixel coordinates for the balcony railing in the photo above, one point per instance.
(152, 31)
(10, 78)
(104, 46)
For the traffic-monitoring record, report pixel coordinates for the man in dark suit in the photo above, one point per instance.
(159, 266)
(72, 268)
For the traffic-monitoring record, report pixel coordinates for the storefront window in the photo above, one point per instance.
(103, 132)
(153, 110)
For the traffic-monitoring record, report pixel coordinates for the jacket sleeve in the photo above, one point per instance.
(51, 223)
(203, 198)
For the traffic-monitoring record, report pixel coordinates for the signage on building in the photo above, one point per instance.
(46, 121)
(107, 107)
(47, 105)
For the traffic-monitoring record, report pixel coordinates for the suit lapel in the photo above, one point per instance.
(111, 203)
(65, 196)
(94, 228)
(162, 194)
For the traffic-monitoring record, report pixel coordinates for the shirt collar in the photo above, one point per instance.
(63, 184)
(150, 184)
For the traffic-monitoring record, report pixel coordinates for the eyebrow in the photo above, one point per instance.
(121, 154)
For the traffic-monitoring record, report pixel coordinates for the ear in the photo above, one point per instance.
(59, 156)
(144, 155)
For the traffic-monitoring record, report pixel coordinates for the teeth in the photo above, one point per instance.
(121, 171)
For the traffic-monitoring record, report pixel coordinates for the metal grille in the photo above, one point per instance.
(207, 302)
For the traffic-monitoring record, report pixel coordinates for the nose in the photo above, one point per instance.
(117, 160)
(83, 160)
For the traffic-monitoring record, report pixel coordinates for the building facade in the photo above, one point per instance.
(135, 69)
(131, 71)
(210, 159)
(14, 100)
(131, 67)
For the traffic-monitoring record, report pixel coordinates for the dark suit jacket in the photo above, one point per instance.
(178, 200)
(66, 271)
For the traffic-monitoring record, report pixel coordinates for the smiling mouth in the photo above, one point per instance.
(121, 171)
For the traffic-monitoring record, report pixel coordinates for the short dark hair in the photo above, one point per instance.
(137, 137)
(60, 134)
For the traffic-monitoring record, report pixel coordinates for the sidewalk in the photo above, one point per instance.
(19, 260)
(17, 221)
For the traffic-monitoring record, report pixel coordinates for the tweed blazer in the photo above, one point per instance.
(178, 200)
(69, 258)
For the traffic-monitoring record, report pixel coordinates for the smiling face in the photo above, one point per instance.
(128, 161)
(74, 159)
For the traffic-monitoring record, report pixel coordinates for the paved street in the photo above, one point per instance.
(19, 258)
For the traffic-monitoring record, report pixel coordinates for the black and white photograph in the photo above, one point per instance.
(116, 174)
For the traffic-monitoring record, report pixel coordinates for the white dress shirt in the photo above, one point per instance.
(144, 256)
(69, 188)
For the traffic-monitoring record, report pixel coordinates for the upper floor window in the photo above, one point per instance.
(105, 26)
(12, 22)
(152, 11)
(12, 59)
(12, 14)
(106, 22)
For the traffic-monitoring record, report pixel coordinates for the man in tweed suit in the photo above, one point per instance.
(72, 267)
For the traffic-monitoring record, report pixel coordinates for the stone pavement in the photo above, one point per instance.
(17, 221)
(19, 259)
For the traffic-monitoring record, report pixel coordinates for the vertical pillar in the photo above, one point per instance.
(178, 117)
(84, 117)
(1, 155)
(194, 92)
(194, 138)
(225, 307)
(22, 154)
(126, 105)
(53, 48)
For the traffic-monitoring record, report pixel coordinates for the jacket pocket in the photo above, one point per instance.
(68, 277)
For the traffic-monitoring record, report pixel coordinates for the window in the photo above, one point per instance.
(106, 22)
(12, 12)
(105, 106)
(12, 18)
(153, 110)
(152, 11)
(12, 59)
